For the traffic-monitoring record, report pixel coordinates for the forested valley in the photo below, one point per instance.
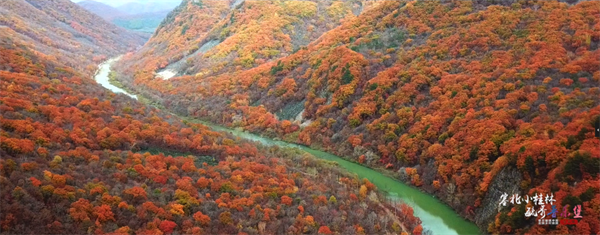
(76, 158)
(465, 100)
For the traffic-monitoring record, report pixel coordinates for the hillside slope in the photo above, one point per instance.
(79, 159)
(59, 28)
(466, 100)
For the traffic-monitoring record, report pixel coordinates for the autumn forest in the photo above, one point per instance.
(466, 102)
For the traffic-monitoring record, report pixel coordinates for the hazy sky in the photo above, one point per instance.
(116, 3)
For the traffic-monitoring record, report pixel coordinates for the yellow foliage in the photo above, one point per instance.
(177, 209)
(337, 8)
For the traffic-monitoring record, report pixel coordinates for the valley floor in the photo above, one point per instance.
(435, 215)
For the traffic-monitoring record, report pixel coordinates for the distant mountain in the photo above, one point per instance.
(105, 11)
(135, 8)
(141, 17)
(143, 22)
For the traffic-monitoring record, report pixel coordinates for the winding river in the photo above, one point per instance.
(434, 214)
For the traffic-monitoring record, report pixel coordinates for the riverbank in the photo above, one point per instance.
(434, 214)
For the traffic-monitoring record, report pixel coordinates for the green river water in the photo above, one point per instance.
(434, 214)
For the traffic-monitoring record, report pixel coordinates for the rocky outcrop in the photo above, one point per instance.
(507, 181)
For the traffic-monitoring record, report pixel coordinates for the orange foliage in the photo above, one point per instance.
(201, 218)
(167, 226)
(35, 182)
(324, 230)
(286, 200)
(136, 192)
(104, 213)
